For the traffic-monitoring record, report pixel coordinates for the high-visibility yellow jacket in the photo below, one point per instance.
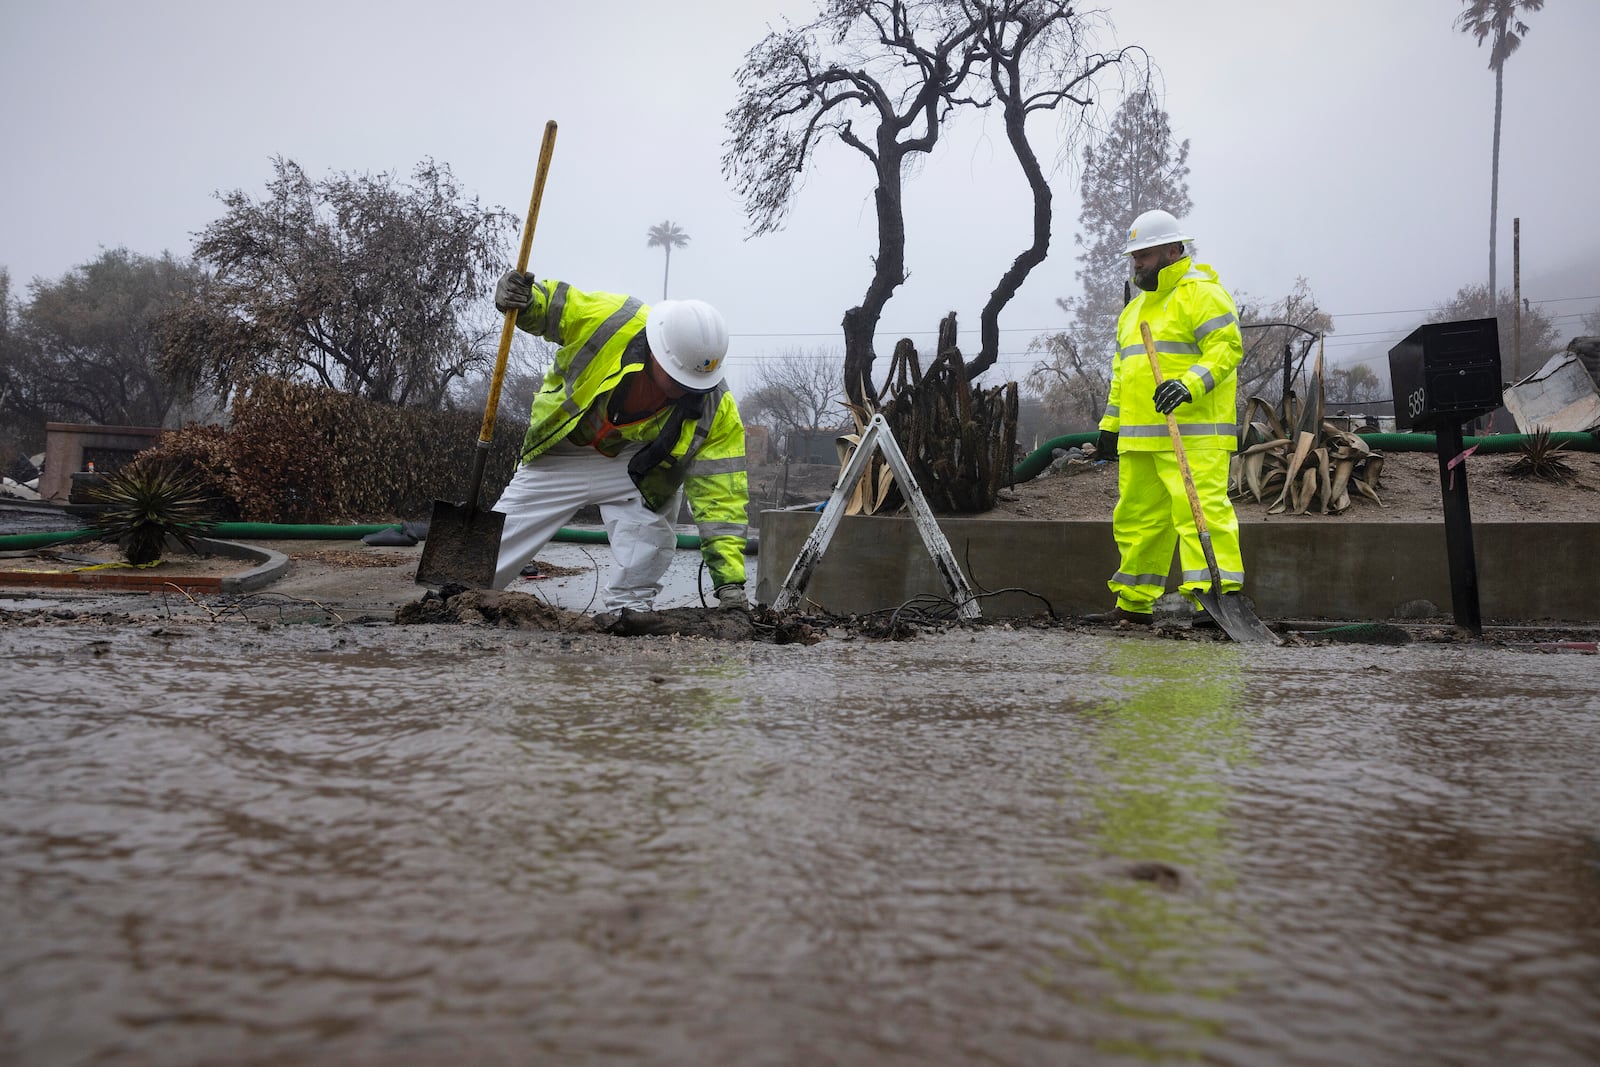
(1196, 329)
(602, 340)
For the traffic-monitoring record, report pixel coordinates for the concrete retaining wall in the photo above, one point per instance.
(1338, 569)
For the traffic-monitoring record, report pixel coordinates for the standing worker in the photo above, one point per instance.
(632, 416)
(1197, 339)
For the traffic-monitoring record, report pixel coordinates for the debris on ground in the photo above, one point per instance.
(456, 604)
(492, 607)
(339, 557)
(721, 624)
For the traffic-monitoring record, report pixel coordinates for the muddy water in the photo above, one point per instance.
(381, 846)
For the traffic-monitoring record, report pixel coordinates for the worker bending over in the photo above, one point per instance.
(632, 416)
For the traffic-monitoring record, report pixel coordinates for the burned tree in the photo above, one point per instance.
(896, 67)
(1278, 340)
(900, 69)
(1038, 57)
(1137, 166)
(363, 283)
(795, 393)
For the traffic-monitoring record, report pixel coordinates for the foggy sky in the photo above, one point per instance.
(1347, 143)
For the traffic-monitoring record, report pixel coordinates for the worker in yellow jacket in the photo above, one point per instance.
(632, 417)
(1196, 329)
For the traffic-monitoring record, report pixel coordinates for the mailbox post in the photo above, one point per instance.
(1445, 374)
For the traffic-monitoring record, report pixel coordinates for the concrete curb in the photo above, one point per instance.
(270, 565)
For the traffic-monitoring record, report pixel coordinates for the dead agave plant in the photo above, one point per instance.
(1324, 471)
(1542, 458)
(872, 490)
(1296, 462)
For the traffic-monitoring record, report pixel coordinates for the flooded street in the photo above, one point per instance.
(423, 845)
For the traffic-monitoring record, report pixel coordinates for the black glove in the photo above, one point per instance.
(514, 291)
(1169, 394)
(732, 596)
(1106, 446)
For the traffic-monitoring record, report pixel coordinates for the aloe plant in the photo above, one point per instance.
(144, 504)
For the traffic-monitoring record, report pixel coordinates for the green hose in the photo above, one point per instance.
(598, 537)
(1492, 444)
(1039, 459)
(22, 542)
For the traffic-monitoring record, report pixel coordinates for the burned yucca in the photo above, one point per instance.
(145, 503)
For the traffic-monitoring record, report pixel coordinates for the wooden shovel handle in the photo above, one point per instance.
(546, 150)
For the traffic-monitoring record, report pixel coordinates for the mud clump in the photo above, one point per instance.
(491, 607)
(458, 605)
(715, 625)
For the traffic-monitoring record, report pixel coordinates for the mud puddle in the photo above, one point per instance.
(425, 844)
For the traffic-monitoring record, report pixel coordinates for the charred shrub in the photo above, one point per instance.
(298, 452)
(203, 452)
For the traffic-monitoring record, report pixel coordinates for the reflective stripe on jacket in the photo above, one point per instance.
(602, 341)
(1196, 329)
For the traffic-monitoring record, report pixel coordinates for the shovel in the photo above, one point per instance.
(463, 543)
(1229, 610)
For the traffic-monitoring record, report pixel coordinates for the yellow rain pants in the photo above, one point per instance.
(1152, 516)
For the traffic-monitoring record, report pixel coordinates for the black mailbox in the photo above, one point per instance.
(1446, 372)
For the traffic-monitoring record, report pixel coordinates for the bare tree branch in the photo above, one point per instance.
(797, 391)
(901, 68)
(368, 285)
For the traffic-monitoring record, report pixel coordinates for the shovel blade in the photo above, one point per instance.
(462, 547)
(1236, 619)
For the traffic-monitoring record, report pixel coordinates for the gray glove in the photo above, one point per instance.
(1169, 394)
(732, 596)
(514, 291)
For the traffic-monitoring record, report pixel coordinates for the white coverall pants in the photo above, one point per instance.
(545, 494)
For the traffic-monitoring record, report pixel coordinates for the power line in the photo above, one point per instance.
(1061, 328)
(1430, 310)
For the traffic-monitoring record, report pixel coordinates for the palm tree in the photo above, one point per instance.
(1496, 21)
(668, 236)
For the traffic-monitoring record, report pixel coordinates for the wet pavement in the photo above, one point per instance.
(420, 845)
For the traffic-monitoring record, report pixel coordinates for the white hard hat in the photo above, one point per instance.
(689, 340)
(1154, 228)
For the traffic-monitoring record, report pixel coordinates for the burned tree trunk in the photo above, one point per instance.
(960, 441)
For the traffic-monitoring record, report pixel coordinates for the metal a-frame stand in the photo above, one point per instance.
(877, 437)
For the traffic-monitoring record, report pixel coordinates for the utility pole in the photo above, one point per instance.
(1516, 299)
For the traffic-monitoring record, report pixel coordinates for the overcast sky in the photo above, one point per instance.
(1346, 142)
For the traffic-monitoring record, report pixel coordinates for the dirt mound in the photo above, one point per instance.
(457, 605)
(726, 625)
(524, 611)
(492, 607)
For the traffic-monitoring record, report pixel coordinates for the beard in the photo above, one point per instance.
(1149, 279)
